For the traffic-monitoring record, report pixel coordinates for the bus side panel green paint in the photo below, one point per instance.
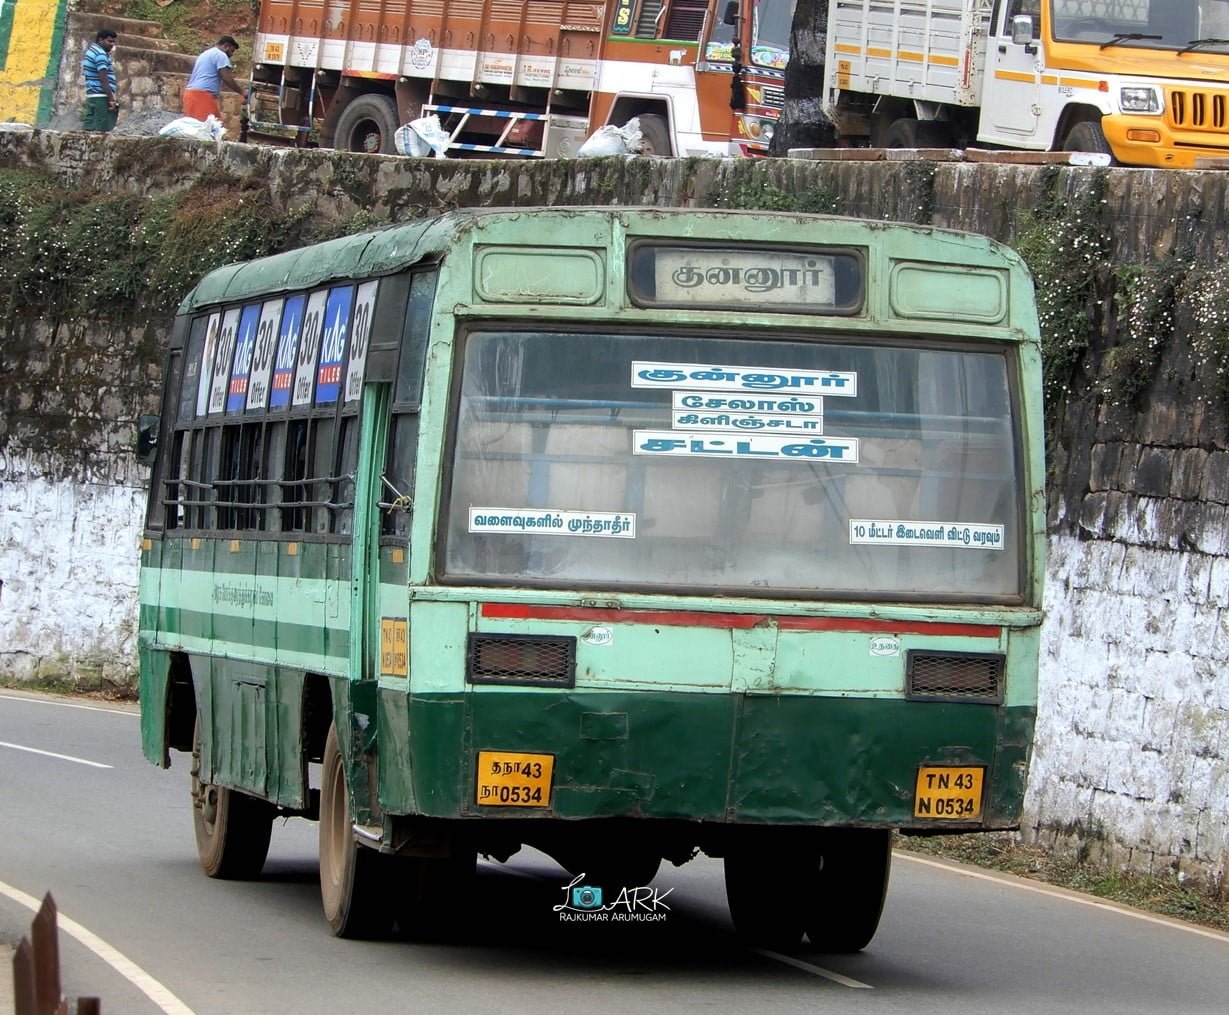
(395, 762)
(287, 782)
(152, 689)
(240, 722)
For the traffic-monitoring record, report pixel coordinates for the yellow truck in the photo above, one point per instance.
(1146, 81)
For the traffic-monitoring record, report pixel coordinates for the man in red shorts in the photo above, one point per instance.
(210, 75)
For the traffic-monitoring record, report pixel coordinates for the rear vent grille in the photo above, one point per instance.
(534, 660)
(954, 676)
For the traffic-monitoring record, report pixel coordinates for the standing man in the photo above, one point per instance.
(210, 75)
(101, 87)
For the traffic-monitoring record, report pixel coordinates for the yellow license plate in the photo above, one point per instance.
(948, 792)
(274, 51)
(506, 779)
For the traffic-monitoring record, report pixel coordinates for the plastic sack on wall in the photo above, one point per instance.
(421, 137)
(210, 129)
(612, 140)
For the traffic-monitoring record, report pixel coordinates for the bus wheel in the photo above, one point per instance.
(654, 135)
(232, 829)
(764, 901)
(846, 898)
(352, 884)
(433, 897)
(367, 125)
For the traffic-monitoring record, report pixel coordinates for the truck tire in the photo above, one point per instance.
(1087, 136)
(232, 829)
(367, 125)
(654, 135)
(909, 133)
(353, 884)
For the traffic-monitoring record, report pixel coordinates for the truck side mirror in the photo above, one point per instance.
(147, 438)
(1022, 30)
(731, 13)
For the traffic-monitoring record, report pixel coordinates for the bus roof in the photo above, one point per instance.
(392, 248)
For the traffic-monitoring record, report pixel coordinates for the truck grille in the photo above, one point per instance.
(954, 676)
(774, 96)
(1190, 110)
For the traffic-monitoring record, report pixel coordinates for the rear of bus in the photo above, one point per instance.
(739, 548)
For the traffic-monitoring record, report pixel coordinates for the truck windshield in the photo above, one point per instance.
(1199, 25)
(662, 460)
(770, 33)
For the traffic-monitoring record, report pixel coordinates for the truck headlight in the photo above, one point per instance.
(1139, 99)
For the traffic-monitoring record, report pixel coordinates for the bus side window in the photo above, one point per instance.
(398, 484)
(224, 486)
(321, 485)
(343, 489)
(273, 490)
(294, 488)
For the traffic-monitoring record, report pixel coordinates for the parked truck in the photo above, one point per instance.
(522, 77)
(1146, 81)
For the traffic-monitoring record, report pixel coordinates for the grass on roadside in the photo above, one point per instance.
(1166, 896)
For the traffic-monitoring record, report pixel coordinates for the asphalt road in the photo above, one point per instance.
(143, 929)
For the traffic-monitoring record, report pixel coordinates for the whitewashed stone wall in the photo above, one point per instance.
(69, 563)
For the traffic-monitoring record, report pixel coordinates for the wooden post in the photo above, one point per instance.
(46, 957)
(24, 994)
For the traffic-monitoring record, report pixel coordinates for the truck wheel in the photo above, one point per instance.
(654, 135)
(847, 892)
(367, 125)
(232, 828)
(764, 901)
(910, 133)
(353, 886)
(1087, 136)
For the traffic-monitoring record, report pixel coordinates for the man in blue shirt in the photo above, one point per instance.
(210, 75)
(101, 88)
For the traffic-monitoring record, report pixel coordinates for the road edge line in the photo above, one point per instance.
(129, 970)
(1024, 884)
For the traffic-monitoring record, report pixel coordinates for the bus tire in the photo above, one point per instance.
(352, 883)
(1087, 136)
(367, 126)
(764, 903)
(232, 829)
(432, 897)
(849, 888)
(654, 135)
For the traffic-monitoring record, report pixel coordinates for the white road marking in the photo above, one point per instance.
(129, 970)
(807, 967)
(1068, 896)
(67, 704)
(52, 754)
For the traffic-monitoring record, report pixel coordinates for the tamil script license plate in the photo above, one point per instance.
(514, 780)
(948, 792)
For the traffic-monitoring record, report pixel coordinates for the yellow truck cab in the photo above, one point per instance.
(1146, 81)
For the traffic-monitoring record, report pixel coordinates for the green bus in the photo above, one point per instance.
(622, 534)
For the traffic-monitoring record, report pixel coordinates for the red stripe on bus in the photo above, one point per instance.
(668, 618)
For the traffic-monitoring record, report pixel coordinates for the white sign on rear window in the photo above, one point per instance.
(360, 339)
(545, 521)
(752, 278)
(895, 532)
(207, 358)
(262, 358)
(649, 374)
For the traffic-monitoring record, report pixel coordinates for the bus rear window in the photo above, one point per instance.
(726, 464)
